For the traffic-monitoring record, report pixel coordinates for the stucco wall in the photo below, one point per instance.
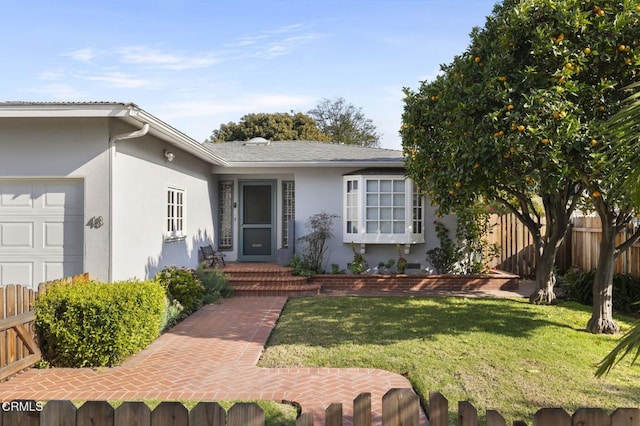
(142, 176)
(65, 148)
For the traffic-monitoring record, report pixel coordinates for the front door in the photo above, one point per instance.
(257, 221)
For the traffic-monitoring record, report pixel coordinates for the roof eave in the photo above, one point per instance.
(346, 163)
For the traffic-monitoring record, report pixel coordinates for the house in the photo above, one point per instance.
(112, 190)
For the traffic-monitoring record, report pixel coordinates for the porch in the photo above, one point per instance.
(271, 279)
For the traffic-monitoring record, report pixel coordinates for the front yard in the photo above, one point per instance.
(500, 354)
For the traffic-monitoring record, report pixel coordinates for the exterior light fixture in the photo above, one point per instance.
(169, 155)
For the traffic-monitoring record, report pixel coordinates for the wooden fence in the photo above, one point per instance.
(18, 348)
(400, 407)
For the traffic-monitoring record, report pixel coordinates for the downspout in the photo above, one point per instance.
(112, 156)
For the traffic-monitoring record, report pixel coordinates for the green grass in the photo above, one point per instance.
(498, 354)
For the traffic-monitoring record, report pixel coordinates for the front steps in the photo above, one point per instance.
(266, 279)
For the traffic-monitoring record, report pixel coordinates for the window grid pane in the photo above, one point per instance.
(417, 212)
(225, 215)
(385, 212)
(175, 212)
(352, 207)
(288, 209)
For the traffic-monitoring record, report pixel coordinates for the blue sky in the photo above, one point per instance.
(198, 64)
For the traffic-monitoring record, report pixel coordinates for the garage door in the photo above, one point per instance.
(41, 230)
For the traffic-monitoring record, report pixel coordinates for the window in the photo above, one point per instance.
(288, 209)
(175, 213)
(382, 209)
(225, 215)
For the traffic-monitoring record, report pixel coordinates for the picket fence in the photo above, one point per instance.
(18, 348)
(400, 407)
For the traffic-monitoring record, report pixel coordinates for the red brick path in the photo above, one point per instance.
(212, 355)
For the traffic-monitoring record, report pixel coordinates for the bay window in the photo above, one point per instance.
(382, 209)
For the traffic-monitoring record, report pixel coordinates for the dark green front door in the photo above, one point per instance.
(257, 221)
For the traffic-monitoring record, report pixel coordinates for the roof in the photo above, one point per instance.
(126, 111)
(302, 153)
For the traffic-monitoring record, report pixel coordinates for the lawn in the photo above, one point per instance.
(498, 354)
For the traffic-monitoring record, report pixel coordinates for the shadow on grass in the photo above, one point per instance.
(370, 320)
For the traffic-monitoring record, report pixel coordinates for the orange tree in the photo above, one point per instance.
(513, 118)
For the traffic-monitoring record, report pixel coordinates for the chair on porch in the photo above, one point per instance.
(211, 256)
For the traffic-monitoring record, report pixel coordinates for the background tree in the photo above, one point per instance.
(275, 126)
(517, 117)
(345, 123)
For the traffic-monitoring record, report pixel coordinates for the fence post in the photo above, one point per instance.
(208, 414)
(132, 414)
(400, 407)
(245, 414)
(495, 419)
(626, 417)
(305, 419)
(551, 417)
(591, 417)
(467, 414)
(333, 415)
(56, 413)
(362, 410)
(170, 414)
(438, 409)
(95, 413)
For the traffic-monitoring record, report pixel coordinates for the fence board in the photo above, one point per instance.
(467, 414)
(58, 413)
(170, 414)
(305, 419)
(626, 417)
(438, 409)
(208, 414)
(362, 410)
(552, 417)
(495, 419)
(333, 415)
(591, 417)
(132, 414)
(95, 413)
(400, 407)
(245, 414)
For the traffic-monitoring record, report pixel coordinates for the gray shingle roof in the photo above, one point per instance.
(297, 152)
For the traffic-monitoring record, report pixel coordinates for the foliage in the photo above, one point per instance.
(499, 354)
(578, 286)
(315, 242)
(97, 324)
(184, 286)
(216, 284)
(471, 232)
(345, 123)
(519, 114)
(335, 269)
(275, 126)
(300, 267)
(359, 264)
(445, 257)
(402, 262)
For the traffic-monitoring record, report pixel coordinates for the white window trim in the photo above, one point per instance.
(178, 234)
(362, 237)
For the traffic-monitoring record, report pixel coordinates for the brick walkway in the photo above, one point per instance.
(212, 355)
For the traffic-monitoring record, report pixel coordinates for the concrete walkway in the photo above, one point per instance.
(212, 355)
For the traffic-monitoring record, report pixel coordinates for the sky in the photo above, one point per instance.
(198, 64)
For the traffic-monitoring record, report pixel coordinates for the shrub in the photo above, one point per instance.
(184, 286)
(578, 286)
(300, 267)
(359, 264)
(97, 324)
(315, 243)
(215, 284)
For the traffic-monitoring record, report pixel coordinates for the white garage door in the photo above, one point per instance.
(41, 230)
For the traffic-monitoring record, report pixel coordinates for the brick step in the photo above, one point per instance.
(258, 275)
(267, 279)
(275, 289)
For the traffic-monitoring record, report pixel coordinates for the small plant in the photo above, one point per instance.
(183, 285)
(445, 257)
(215, 284)
(359, 263)
(335, 269)
(300, 267)
(402, 262)
(315, 249)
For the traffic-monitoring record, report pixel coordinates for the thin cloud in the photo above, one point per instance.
(142, 55)
(270, 44)
(83, 55)
(120, 80)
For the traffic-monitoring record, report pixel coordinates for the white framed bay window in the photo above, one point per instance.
(382, 209)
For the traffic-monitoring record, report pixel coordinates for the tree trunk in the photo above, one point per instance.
(601, 320)
(545, 276)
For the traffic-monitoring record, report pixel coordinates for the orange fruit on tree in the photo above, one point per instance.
(458, 184)
(476, 165)
(594, 142)
(622, 48)
(545, 141)
(476, 59)
(587, 51)
(521, 128)
(596, 194)
(510, 107)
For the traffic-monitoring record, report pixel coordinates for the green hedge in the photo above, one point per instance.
(95, 324)
(578, 286)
